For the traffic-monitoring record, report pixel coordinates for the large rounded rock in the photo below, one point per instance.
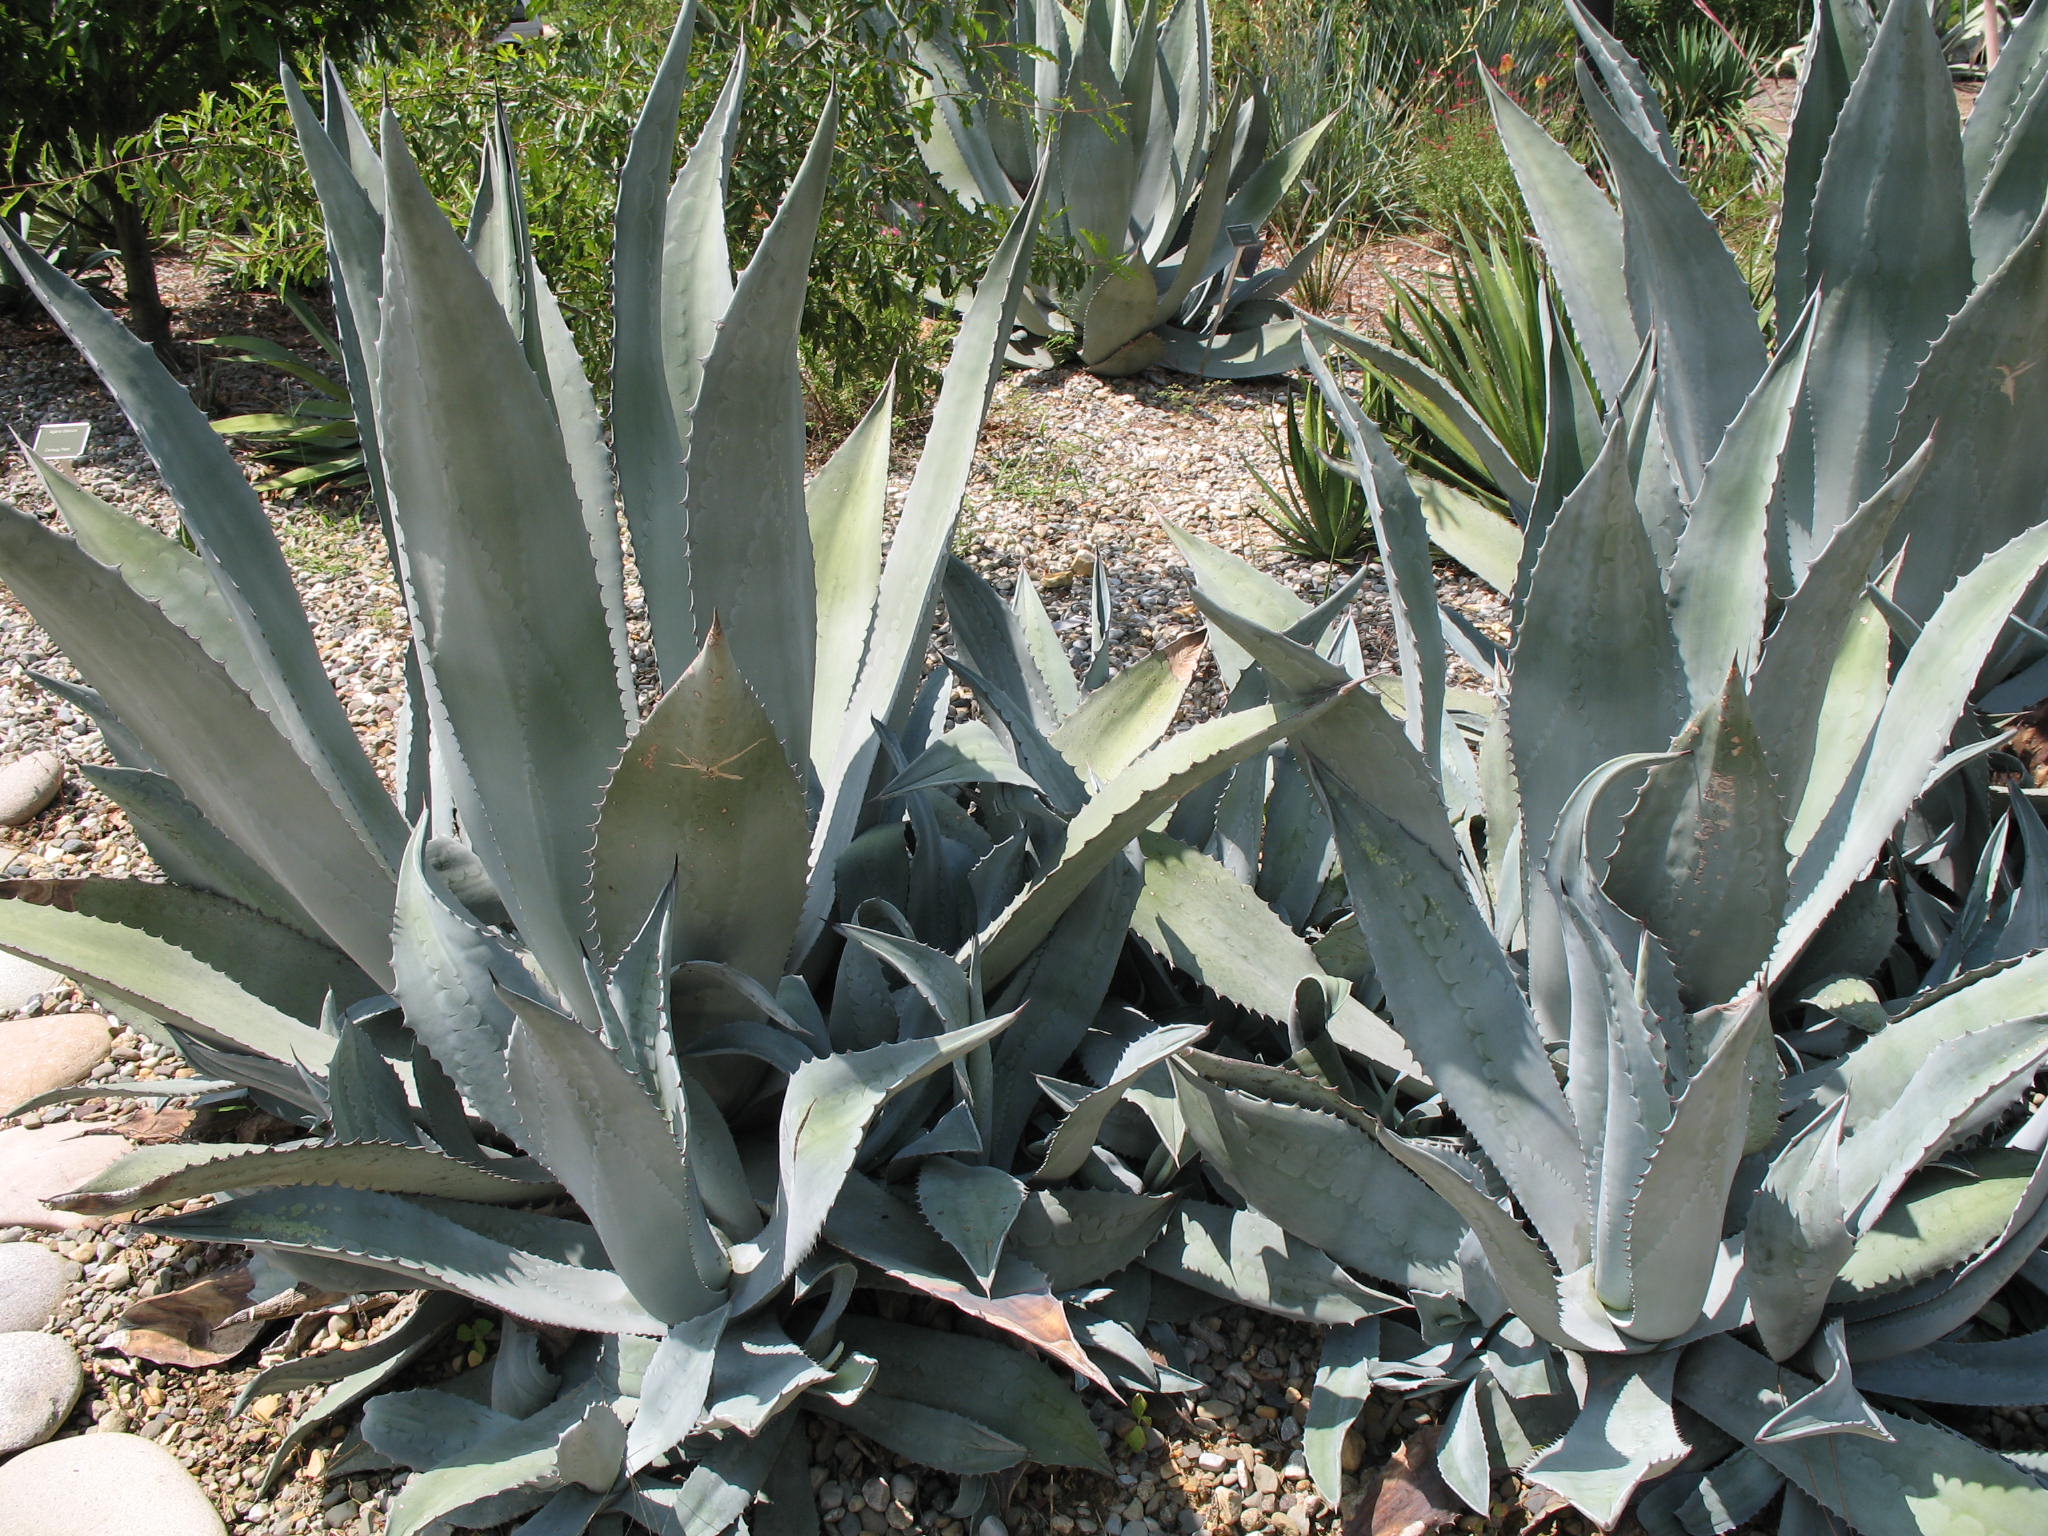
(102, 1485)
(49, 1160)
(53, 1051)
(27, 785)
(39, 1385)
(32, 1281)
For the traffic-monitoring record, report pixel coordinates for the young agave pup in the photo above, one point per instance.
(642, 1027)
(1722, 961)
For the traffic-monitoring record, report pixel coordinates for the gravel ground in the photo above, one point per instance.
(1072, 469)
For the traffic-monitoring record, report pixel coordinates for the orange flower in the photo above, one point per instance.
(1507, 62)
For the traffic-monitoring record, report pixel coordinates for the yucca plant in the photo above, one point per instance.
(1158, 191)
(1718, 1191)
(673, 1030)
(313, 442)
(1314, 508)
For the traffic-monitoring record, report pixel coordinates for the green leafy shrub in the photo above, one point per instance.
(224, 177)
(80, 77)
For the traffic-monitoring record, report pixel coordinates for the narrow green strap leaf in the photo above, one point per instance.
(749, 534)
(1454, 412)
(705, 795)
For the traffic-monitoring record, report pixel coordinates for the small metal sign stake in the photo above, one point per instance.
(62, 441)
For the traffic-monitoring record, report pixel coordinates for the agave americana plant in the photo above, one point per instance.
(1158, 192)
(1718, 1195)
(675, 1031)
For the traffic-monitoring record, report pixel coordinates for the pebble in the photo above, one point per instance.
(23, 983)
(93, 1485)
(877, 1493)
(53, 1051)
(39, 1384)
(49, 1160)
(27, 784)
(32, 1281)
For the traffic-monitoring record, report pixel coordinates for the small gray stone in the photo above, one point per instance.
(877, 1493)
(21, 980)
(39, 1383)
(88, 1485)
(991, 1525)
(32, 1281)
(53, 1051)
(27, 785)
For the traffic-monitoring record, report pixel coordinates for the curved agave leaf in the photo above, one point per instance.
(1888, 251)
(167, 1175)
(1077, 1237)
(175, 975)
(1625, 1435)
(499, 571)
(596, 1128)
(826, 1110)
(1245, 1257)
(1117, 813)
(705, 796)
(656, 322)
(1327, 1181)
(986, 1383)
(1925, 1481)
(533, 1267)
(1193, 914)
(207, 734)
